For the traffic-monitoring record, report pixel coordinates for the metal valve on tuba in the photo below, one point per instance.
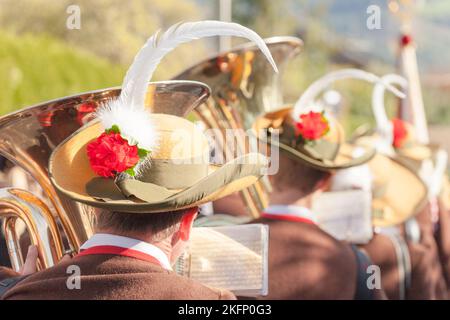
(243, 86)
(27, 137)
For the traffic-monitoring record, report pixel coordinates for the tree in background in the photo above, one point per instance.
(35, 68)
(267, 17)
(41, 59)
(282, 18)
(112, 29)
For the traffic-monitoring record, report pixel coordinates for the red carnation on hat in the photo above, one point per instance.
(110, 154)
(312, 125)
(405, 40)
(400, 132)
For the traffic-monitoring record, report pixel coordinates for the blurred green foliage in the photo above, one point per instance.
(112, 29)
(38, 68)
(41, 59)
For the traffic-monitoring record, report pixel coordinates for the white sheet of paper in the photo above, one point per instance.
(229, 257)
(346, 215)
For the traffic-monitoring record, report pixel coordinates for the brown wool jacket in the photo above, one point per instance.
(425, 256)
(307, 263)
(382, 252)
(443, 241)
(110, 277)
(427, 278)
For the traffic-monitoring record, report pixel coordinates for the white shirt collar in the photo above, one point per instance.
(291, 210)
(105, 239)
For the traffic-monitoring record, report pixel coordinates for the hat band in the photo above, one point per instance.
(162, 179)
(175, 174)
(321, 150)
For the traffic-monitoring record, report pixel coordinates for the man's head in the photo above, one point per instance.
(169, 229)
(232, 204)
(293, 180)
(293, 175)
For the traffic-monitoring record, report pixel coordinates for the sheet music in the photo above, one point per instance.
(346, 215)
(229, 257)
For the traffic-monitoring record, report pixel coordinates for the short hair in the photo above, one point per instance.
(158, 225)
(294, 174)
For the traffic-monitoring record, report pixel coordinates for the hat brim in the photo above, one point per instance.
(70, 173)
(344, 159)
(414, 152)
(404, 193)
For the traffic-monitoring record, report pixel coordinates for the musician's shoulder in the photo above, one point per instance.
(322, 262)
(6, 273)
(179, 287)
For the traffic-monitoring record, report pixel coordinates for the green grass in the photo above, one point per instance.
(38, 68)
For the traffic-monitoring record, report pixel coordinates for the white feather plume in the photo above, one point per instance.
(135, 83)
(308, 97)
(384, 125)
(135, 124)
(128, 111)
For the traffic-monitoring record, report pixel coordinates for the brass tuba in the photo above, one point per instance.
(27, 137)
(243, 86)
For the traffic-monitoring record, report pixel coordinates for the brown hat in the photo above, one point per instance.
(315, 137)
(317, 140)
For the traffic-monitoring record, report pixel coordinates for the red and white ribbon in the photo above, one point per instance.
(102, 243)
(290, 213)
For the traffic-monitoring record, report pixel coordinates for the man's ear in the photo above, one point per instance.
(186, 223)
(324, 184)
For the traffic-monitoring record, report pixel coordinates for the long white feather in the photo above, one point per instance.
(384, 125)
(135, 83)
(308, 97)
(128, 111)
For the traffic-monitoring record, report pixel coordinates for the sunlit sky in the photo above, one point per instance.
(345, 21)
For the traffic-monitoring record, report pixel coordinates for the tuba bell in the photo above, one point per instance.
(243, 86)
(55, 223)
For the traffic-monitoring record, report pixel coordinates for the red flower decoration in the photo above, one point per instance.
(110, 154)
(405, 40)
(400, 132)
(312, 125)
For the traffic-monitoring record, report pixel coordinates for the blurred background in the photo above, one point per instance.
(41, 59)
